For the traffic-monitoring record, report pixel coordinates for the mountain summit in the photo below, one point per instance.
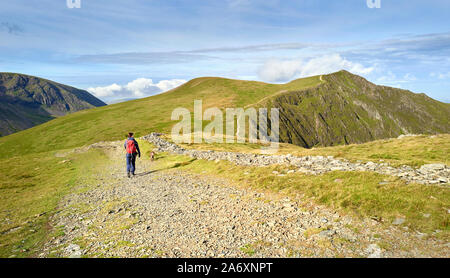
(325, 110)
(26, 101)
(347, 109)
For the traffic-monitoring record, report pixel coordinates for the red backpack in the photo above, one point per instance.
(131, 146)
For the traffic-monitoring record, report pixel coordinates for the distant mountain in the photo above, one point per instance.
(26, 101)
(348, 109)
(120, 100)
(325, 110)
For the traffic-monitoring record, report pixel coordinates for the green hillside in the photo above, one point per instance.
(334, 109)
(143, 115)
(348, 109)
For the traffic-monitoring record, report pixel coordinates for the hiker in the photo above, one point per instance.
(152, 156)
(132, 148)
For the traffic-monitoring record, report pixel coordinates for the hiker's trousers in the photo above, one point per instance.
(131, 162)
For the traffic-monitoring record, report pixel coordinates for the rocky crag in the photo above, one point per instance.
(348, 109)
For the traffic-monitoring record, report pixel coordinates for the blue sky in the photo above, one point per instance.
(134, 48)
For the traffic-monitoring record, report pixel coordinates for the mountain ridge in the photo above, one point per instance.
(27, 101)
(349, 109)
(305, 101)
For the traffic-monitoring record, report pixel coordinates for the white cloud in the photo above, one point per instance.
(166, 85)
(137, 88)
(409, 77)
(141, 87)
(277, 70)
(105, 91)
(389, 78)
(440, 75)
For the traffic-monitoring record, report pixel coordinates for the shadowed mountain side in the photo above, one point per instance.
(26, 101)
(348, 109)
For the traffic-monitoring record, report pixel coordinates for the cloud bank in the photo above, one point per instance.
(283, 70)
(138, 88)
(189, 56)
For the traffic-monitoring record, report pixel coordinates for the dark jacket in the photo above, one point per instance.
(135, 143)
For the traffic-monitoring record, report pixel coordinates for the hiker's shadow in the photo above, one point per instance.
(176, 165)
(146, 173)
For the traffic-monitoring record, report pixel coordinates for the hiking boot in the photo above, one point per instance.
(128, 174)
(133, 174)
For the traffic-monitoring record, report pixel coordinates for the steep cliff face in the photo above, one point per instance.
(348, 109)
(26, 101)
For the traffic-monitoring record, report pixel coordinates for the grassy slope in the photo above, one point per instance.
(16, 117)
(141, 116)
(349, 109)
(414, 151)
(31, 188)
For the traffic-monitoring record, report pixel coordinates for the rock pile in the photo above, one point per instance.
(315, 165)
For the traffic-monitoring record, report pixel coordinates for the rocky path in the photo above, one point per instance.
(437, 174)
(266, 98)
(170, 213)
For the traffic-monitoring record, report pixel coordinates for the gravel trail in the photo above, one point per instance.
(171, 213)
